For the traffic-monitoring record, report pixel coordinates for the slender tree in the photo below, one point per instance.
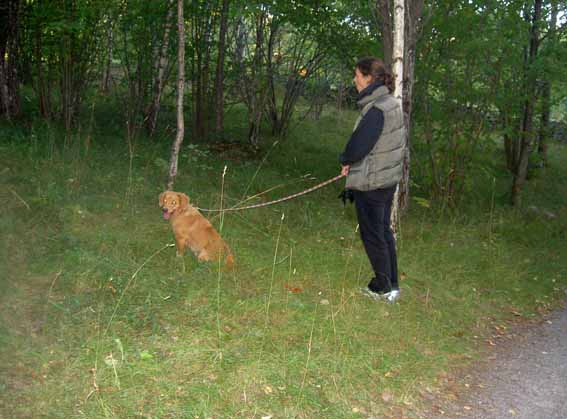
(526, 135)
(174, 157)
(398, 70)
(413, 23)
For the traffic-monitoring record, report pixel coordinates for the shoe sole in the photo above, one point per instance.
(390, 297)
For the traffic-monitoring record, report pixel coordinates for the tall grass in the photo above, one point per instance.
(100, 319)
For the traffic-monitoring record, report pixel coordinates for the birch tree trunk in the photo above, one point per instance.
(398, 48)
(398, 70)
(407, 14)
(180, 93)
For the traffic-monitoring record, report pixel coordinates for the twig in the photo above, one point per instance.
(219, 274)
(57, 275)
(21, 199)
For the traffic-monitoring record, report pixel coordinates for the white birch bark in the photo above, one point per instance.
(180, 93)
(398, 70)
(398, 47)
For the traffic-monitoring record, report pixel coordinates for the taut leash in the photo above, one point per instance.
(277, 201)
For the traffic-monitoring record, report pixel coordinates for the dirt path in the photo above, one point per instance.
(526, 378)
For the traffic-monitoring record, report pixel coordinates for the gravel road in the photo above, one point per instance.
(526, 379)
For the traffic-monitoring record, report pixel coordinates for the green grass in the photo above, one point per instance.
(99, 318)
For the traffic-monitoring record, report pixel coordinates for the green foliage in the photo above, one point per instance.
(470, 90)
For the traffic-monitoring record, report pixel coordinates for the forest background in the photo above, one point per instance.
(94, 303)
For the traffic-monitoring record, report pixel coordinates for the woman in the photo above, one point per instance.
(373, 161)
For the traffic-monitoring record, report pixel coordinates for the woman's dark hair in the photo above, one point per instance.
(375, 68)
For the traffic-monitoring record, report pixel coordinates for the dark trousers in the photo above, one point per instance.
(373, 209)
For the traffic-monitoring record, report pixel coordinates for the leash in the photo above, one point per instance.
(277, 201)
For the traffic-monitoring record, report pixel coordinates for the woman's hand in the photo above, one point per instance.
(345, 169)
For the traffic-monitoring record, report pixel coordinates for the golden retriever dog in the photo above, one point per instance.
(192, 230)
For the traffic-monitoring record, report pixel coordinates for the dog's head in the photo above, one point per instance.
(170, 202)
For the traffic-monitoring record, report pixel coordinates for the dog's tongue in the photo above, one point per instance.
(165, 214)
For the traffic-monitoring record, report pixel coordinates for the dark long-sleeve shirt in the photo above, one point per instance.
(364, 137)
(366, 134)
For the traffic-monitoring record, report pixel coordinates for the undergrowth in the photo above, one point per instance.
(100, 319)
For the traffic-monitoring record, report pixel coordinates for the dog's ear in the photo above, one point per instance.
(183, 200)
(161, 198)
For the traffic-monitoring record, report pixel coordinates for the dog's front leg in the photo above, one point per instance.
(180, 245)
(203, 256)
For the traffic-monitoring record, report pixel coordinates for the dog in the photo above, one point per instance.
(192, 230)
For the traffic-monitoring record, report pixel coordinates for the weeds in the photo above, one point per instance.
(98, 319)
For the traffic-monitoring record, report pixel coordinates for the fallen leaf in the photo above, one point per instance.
(387, 396)
(295, 290)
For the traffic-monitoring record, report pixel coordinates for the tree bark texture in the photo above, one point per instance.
(174, 157)
(398, 73)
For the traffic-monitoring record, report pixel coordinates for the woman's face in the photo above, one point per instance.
(360, 80)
